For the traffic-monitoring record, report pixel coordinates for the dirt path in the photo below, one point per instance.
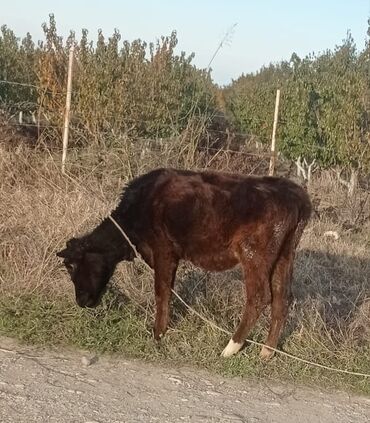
(56, 386)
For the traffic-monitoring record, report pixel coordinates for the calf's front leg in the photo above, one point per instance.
(165, 268)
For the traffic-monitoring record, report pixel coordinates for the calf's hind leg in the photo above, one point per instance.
(257, 272)
(281, 295)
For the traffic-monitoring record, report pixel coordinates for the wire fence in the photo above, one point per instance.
(63, 93)
(22, 84)
(153, 145)
(218, 143)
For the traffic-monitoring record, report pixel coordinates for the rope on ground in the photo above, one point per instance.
(250, 341)
(215, 326)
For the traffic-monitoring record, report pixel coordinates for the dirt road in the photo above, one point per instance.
(61, 386)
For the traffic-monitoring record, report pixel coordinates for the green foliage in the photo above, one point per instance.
(17, 63)
(146, 90)
(251, 99)
(117, 89)
(325, 107)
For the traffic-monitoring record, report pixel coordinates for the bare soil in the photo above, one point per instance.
(38, 385)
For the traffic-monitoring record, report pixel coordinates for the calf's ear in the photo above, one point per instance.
(62, 253)
(73, 251)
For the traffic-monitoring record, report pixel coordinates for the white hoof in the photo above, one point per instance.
(231, 348)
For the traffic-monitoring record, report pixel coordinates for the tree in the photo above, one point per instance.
(324, 108)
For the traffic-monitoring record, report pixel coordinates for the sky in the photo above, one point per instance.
(266, 31)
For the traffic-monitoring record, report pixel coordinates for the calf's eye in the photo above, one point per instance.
(70, 267)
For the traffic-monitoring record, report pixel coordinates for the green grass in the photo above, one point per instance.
(126, 330)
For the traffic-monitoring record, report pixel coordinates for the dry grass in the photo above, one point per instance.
(40, 209)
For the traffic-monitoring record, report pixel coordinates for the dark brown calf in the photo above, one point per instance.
(214, 220)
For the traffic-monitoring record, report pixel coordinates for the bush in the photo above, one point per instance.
(325, 106)
(136, 88)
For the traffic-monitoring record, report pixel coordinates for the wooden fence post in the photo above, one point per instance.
(273, 139)
(68, 108)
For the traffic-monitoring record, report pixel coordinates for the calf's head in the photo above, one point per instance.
(90, 271)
